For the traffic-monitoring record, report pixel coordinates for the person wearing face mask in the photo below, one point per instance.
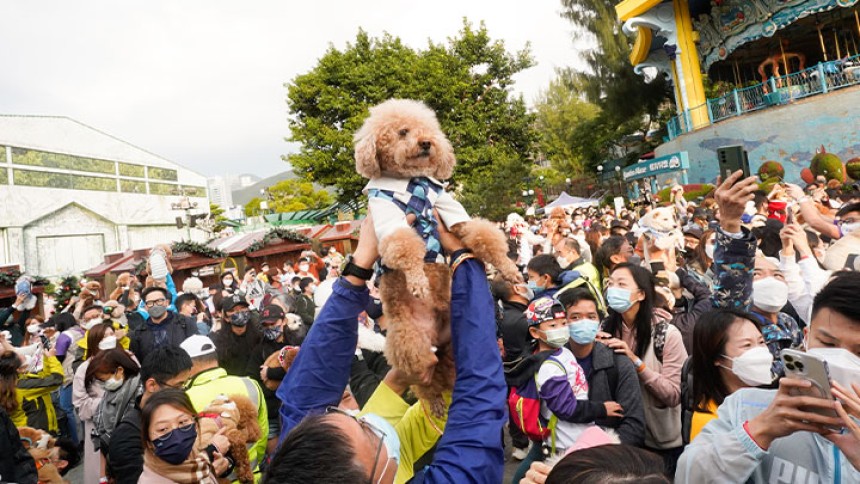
(847, 219)
(238, 336)
(744, 281)
(514, 300)
(169, 431)
(304, 304)
(614, 399)
(640, 330)
(360, 451)
(800, 266)
(763, 436)
(207, 381)
(568, 256)
(700, 264)
(87, 398)
(559, 380)
(309, 265)
(162, 326)
(613, 251)
(543, 275)
(119, 374)
(272, 325)
(26, 387)
(729, 354)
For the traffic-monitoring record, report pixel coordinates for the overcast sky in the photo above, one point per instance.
(201, 82)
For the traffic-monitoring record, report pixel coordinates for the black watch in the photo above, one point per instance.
(351, 269)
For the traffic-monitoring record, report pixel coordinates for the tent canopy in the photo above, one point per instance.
(565, 201)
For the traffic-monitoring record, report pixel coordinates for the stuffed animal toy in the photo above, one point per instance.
(402, 150)
(282, 358)
(556, 226)
(158, 264)
(238, 415)
(123, 282)
(90, 293)
(39, 444)
(660, 236)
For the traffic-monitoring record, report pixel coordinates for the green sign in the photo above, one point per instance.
(657, 166)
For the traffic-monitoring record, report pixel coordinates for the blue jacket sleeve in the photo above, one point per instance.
(321, 369)
(470, 450)
(734, 261)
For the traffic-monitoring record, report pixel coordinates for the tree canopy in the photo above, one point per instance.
(628, 102)
(291, 195)
(466, 81)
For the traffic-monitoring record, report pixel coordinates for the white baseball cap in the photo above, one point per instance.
(198, 345)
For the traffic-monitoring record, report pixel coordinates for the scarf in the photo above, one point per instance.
(195, 469)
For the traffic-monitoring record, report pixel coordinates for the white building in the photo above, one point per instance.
(70, 193)
(220, 192)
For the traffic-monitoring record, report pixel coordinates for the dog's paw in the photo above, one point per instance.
(417, 284)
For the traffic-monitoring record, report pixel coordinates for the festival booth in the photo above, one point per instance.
(342, 235)
(275, 246)
(653, 175)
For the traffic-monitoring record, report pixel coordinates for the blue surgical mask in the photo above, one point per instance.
(618, 299)
(536, 290)
(584, 331)
(390, 440)
(175, 446)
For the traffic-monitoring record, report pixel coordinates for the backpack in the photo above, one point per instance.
(524, 401)
(659, 338)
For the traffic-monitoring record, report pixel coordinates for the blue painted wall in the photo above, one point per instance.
(788, 134)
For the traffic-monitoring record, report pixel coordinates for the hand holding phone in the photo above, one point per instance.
(804, 366)
(732, 159)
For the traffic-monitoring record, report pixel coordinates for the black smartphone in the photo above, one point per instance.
(657, 267)
(732, 159)
(851, 262)
(46, 343)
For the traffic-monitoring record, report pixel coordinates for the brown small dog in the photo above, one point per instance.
(39, 444)
(282, 358)
(238, 415)
(402, 150)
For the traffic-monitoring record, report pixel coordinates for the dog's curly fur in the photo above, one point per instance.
(239, 415)
(402, 139)
(283, 358)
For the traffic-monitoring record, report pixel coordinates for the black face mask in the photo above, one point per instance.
(241, 318)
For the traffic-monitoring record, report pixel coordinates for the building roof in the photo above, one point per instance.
(60, 134)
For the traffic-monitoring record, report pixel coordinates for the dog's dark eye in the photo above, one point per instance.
(403, 132)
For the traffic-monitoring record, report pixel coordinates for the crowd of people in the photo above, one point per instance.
(648, 344)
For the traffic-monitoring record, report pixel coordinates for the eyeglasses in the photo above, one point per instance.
(376, 431)
(159, 302)
(185, 425)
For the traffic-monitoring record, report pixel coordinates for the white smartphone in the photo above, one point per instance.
(804, 366)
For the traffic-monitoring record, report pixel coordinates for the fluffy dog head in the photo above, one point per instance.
(402, 139)
(660, 219)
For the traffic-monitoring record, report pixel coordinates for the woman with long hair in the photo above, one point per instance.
(118, 373)
(26, 386)
(729, 353)
(699, 266)
(637, 328)
(31, 333)
(169, 431)
(87, 397)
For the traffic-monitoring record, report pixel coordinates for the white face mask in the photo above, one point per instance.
(709, 250)
(107, 343)
(848, 229)
(304, 267)
(562, 261)
(753, 367)
(844, 365)
(113, 384)
(92, 323)
(769, 294)
(33, 329)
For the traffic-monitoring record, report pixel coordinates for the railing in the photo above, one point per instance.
(819, 79)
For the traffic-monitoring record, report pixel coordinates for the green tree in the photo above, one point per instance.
(252, 208)
(293, 195)
(628, 102)
(217, 214)
(465, 80)
(562, 113)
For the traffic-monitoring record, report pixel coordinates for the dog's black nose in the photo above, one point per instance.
(425, 145)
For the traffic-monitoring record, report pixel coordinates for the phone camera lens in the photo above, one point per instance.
(788, 358)
(790, 366)
(799, 366)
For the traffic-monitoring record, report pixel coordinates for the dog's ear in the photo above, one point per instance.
(365, 156)
(445, 167)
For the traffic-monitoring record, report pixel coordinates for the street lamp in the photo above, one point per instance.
(620, 185)
(186, 205)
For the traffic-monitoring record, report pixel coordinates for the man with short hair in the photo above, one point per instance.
(543, 275)
(162, 327)
(238, 335)
(164, 367)
(569, 257)
(208, 381)
(611, 377)
(272, 322)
